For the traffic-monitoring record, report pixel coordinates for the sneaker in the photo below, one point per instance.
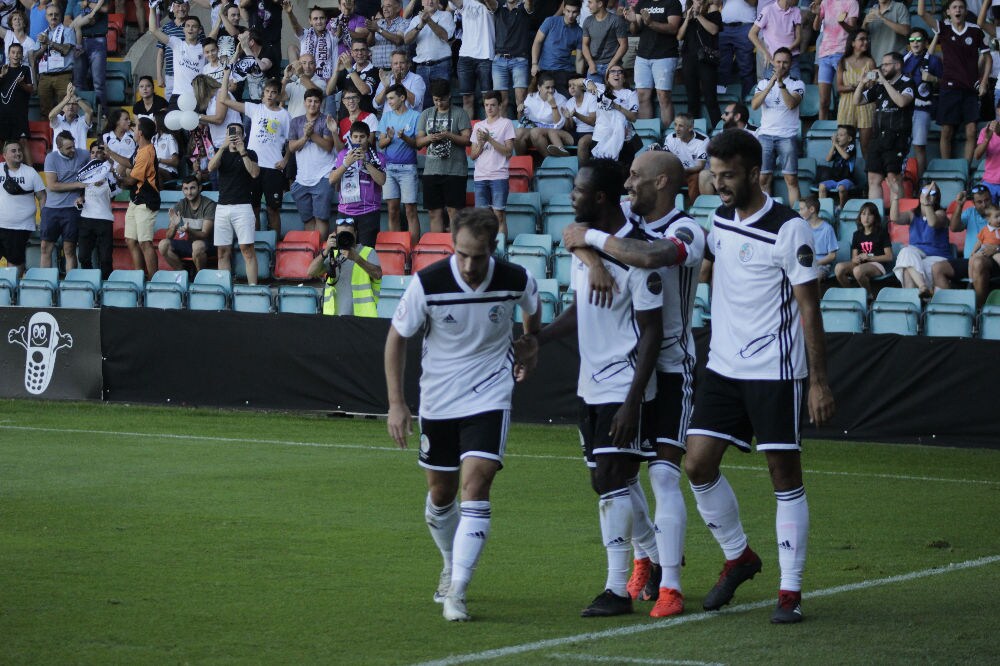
(789, 608)
(444, 582)
(607, 604)
(734, 573)
(454, 609)
(640, 576)
(670, 602)
(651, 591)
(557, 151)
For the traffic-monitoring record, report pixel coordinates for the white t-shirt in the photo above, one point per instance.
(124, 146)
(776, 119)
(29, 44)
(467, 359)
(219, 131)
(413, 84)
(429, 46)
(296, 103)
(478, 31)
(188, 61)
(78, 128)
(491, 164)
(690, 152)
(97, 201)
(312, 162)
(17, 211)
(268, 133)
(539, 112)
(586, 107)
(215, 71)
(166, 147)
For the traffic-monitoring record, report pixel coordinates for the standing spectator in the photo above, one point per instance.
(386, 34)
(824, 237)
(516, 24)
(966, 60)
(839, 176)
(65, 117)
(298, 79)
(15, 94)
(92, 22)
(690, 146)
(360, 175)
(542, 121)
(556, 40)
(17, 200)
(317, 41)
(227, 32)
(657, 23)
(190, 232)
(492, 147)
(400, 74)
(118, 139)
(54, 59)
(837, 18)
(779, 25)
(140, 218)
(60, 217)
(431, 30)
(213, 67)
(97, 220)
(971, 220)
(888, 25)
(351, 266)
(18, 34)
(444, 131)
(352, 114)
(37, 20)
(617, 108)
(605, 40)
(735, 47)
(397, 132)
(855, 64)
(168, 154)
(349, 26)
(354, 72)
(186, 54)
(269, 124)
(700, 34)
(264, 18)
(255, 63)
(475, 55)
(892, 95)
(928, 243)
(164, 54)
(988, 150)
(780, 97)
(149, 103)
(312, 143)
(235, 216)
(925, 70)
(871, 251)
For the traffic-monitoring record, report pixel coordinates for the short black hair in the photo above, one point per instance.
(147, 127)
(313, 92)
(190, 179)
(608, 177)
(741, 110)
(783, 49)
(492, 94)
(920, 31)
(736, 142)
(397, 89)
(441, 88)
(360, 127)
(898, 59)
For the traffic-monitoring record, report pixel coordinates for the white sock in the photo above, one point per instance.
(643, 537)
(615, 509)
(671, 520)
(470, 538)
(442, 521)
(721, 513)
(791, 526)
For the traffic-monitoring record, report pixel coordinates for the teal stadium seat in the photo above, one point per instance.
(167, 290)
(298, 299)
(702, 312)
(80, 288)
(8, 285)
(252, 298)
(123, 289)
(896, 311)
(532, 251)
(37, 288)
(844, 310)
(989, 319)
(950, 313)
(211, 290)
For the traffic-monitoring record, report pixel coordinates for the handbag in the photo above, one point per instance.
(707, 55)
(11, 186)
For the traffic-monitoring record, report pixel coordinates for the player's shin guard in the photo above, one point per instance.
(721, 513)
(470, 538)
(615, 510)
(792, 529)
(442, 522)
(671, 520)
(643, 538)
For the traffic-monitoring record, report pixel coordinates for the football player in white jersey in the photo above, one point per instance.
(654, 180)
(618, 349)
(465, 304)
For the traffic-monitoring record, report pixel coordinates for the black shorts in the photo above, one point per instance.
(670, 410)
(957, 107)
(14, 245)
(595, 424)
(960, 269)
(738, 410)
(445, 443)
(13, 127)
(444, 191)
(184, 248)
(887, 152)
(272, 185)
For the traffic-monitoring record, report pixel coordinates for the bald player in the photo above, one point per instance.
(674, 245)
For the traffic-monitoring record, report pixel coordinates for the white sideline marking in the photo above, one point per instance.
(392, 449)
(698, 617)
(596, 659)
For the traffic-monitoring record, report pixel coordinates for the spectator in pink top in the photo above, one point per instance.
(778, 25)
(492, 147)
(988, 147)
(837, 17)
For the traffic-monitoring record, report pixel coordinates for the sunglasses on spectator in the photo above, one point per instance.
(616, 71)
(976, 189)
(916, 39)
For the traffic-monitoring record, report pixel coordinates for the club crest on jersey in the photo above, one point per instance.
(655, 284)
(746, 253)
(496, 314)
(804, 255)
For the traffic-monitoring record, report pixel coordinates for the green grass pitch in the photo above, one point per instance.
(136, 535)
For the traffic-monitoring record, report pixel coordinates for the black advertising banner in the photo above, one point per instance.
(53, 354)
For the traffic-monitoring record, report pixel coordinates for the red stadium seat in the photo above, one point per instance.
(38, 149)
(522, 170)
(393, 248)
(899, 233)
(431, 248)
(310, 238)
(116, 33)
(121, 259)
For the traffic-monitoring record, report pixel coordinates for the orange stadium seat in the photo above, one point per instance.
(393, 248)
(432, 247)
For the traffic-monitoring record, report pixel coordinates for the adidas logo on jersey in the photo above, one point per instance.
(785, 545)
(450, 320)
(476, 535)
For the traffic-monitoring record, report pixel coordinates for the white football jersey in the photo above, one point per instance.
(608, 337)
(756, 330)
(695, 150)
(467, 361)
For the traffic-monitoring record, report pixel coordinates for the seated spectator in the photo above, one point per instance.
(542, 121)
(168, 155)
(988, 150)
(17, 200)
(234, 215)
(617, 108)
(492, 147)
(311, 141)
(580, 110)
(317, 41)
(824, 238)
(346, 258)
(97, 221)
(871, 251)
(149, 103)
(984, 262)
(971, 220)
(690, 146)
(892, 95)
(778, 26)
(360, 175)
(838, 18)
(928, 240)
(15, 84)
(190, 232)
(780, 97)
(299, 78)
(557, 39)
(65, 117)
(445, 131)
(656, 23)
(60, 217)
(354, 73)
(431, 30)
(397, 139)
(852, 69)
(839, 175)
(400, 74)
(118, 138)
(385, 35)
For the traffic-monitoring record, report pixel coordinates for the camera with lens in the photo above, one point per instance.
(346, 240)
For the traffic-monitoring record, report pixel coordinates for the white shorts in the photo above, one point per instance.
(911, 257)
(235, 219)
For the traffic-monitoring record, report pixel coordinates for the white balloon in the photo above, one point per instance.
(186, 101)
(189, 120)
(173, 120)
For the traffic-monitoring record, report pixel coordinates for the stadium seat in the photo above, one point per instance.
(432, 247)
(299, 300)
(522, 171)
(555, 218)
(123, 289)
(849, 213)
(264, 247)
(393, 248)
(896, 311)
(946, 168)
(167, 290)
(252, 298)
(950, 313)
(989, 318)
(294, 254)
(37, 288)
(844, 310)
(555, 176)
(116, 34)
(899, 233)
(8, 285)
(548, 295)
(703, 209)
(702, 305)
(532, 251)
(822, 129)
(211, 290)
(80, 288)
(523, 210)
(649, 129)
(809, 108)
(562, 264)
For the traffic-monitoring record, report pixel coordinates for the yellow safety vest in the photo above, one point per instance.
(364, 290)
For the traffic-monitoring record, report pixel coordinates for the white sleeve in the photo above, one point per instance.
(795, 251)
(693, 238)
(411, 312)
(646, 288)
(529, 298)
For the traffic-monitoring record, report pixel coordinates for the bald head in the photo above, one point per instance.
(654, 180)
(657, 162)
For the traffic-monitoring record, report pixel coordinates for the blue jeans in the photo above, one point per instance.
(441, 70)
(602, 69)
(95, 58)
(492, 193)
(472, 71)
(736, 48)
(505, 69)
